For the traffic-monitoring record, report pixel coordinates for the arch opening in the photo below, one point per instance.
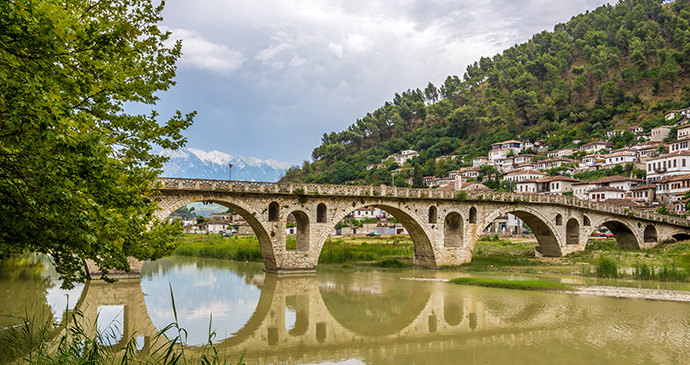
(681, 236)
(453, 232)
(650, 234)
(585, 221)
(241, 222)
(531, 222)
(423, 250)
(624, 236)
(433, 214)
(301, 231)
(559, 220)
(473, 215)
(321, 213)
(273, 212)
(572, 232)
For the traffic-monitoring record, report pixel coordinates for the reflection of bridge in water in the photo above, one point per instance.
(437, 317)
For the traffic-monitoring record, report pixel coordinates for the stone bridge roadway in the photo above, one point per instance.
(437, 317)
(444, 225)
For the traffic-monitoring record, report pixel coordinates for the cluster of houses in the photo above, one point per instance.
(372, 220)
(667, 173)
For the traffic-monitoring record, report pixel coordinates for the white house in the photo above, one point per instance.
(499, 151)
(526, 186)
(683, 131)
(670, 164)
(596, 146)
(524, 175)
(659, 133)
(561, 153)
(552, 162)
(602, 194)
(681, 144)
(619, 158)
(683, 112)
(479, 161)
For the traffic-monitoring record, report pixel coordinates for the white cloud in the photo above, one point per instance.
(358, 43)
(298, 61)
(272, 51)
(199, 53)
(336, 49)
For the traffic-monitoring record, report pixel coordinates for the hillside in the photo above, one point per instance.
(614, 67)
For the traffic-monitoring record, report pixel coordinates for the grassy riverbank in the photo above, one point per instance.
(389, 251)
(669, 262)
(510, 284)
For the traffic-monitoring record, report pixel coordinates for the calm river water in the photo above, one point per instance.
(371, 317)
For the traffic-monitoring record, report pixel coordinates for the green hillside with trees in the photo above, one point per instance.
(614, 67)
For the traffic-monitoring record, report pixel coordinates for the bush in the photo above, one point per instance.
(672, 273)
(642, 271)
(605, 267)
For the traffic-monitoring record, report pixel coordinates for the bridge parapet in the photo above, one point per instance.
(183, 184)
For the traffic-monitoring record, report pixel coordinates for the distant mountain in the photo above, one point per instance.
(198, 164)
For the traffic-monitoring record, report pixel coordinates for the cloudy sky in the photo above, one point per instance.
(269, 77)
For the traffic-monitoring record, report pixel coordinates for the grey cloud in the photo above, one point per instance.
(288, 86)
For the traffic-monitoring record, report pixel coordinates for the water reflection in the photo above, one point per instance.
(375, 317)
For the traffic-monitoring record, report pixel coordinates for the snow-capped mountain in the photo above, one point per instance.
(199, 164)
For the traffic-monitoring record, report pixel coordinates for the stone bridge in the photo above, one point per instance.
(444, 225)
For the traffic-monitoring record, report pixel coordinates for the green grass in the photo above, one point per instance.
(605, 267)
(339, 252)
(228, 248)
(512, 284)
(333, 252)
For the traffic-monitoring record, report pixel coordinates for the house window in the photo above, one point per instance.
(674, 163)
(683, 162)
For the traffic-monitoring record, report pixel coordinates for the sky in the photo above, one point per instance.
(269, 77)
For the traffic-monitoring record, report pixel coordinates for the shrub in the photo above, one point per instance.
(605, 267)
(642, 271)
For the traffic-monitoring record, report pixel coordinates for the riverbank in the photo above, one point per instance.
(601, 258)
(589, 290)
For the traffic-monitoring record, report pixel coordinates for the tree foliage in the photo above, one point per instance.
(75, 168)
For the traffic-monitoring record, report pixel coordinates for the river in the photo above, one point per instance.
(365, 317)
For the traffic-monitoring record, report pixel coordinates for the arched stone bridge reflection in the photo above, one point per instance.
(437, 316)
(444, 225)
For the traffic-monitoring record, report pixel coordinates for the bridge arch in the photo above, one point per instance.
(622, 231)
(321, 213)
(433, 214)
(302, 232)
(540, 225)
(453, 230)
(650, 235)
(424, 254)
(239, 206)
(677, 235)
(572, 232)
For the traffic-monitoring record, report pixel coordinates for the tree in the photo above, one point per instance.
(76, 169)
(417, 177)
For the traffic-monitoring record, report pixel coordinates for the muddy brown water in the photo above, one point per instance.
(367, 317)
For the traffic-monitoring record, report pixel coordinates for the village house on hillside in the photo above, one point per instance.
(596, 146)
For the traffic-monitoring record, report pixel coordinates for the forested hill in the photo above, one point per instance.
(614, 67)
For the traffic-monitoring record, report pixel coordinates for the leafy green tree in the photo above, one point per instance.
(417, 177)
(75, 169)
(669, 72)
